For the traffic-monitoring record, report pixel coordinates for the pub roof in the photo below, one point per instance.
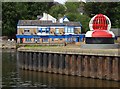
(46, 23)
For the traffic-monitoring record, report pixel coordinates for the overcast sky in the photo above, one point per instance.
(60, 1)
(63, 1)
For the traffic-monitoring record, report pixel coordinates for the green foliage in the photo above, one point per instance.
(83, 19)
(72, 7)
(57, 11)
(110, 9)
(14, 11)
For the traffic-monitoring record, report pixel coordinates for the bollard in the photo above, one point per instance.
(79, 65)
(61, 64)
(66, 71)
(45, 62)
(30, 61)
(40, 62)
(93, 67)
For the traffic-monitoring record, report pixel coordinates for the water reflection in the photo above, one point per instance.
(57, 80)
(14, 77)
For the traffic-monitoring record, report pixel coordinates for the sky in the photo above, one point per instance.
(60, 1)
(63, 1)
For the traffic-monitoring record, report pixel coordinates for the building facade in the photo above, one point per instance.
(48, 30)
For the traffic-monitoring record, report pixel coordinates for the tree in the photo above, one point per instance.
(14, 11)
(83, 19)
(57, 11)
(110, 9)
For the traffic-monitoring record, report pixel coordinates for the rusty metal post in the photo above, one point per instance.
(40, 62)
(66, 71)
(116, 69)
(45, 62)
(30, 61)
(50, 63)
(79, 65)
(93, 67)
(86, 71)
(109, 68)
(61, 64)
(100, 68)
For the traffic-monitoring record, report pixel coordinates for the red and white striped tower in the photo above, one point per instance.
(99, 31)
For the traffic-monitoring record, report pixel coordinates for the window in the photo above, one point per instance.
(36, 40)
(47, 30)
(45, 39)
(43, 29)
(69, 30)
(57, 31)
(28, 39)
(66, 30)
(26, 30)
(40, 30)
(72, 30)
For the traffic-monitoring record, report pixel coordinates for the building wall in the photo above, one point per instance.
(77, 30)
(60, 31)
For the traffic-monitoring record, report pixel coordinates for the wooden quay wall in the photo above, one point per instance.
(101, 64)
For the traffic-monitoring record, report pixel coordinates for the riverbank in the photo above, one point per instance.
(71, 49)
(71, 60)
(5, 44)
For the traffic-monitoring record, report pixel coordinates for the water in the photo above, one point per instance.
(12, 76)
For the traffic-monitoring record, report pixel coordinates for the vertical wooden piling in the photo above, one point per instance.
(86, 71)
(20, 59)
(40, 62)
(23, 60)
(73, 65)
(116, 69)
(34, 61)
(79, 65)
(61, 64)
(45, 62)
(104, 68)
(30, 61)
(26, 60)
(50, 63)
(55, 63)
(109, 68)
(100, 68)
(93, 67)
(66, 71)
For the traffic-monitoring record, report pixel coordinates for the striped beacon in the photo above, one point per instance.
(100, 31)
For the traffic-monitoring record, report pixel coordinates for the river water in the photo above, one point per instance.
(12, 76)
